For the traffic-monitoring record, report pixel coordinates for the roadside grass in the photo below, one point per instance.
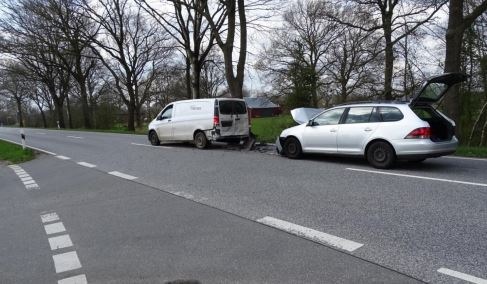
(14, 154)
(466, 151)
(268, 128)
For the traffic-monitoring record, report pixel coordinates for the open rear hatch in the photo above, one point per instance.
(442, 128)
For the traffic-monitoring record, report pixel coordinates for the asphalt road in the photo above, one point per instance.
(423, 220)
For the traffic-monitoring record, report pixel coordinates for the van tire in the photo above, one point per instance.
(154, 139)
(200, 140)
(381, 155)
(292, 148)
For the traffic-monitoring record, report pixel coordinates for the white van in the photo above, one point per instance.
(201, 121)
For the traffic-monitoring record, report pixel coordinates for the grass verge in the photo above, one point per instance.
(478, 152)
(14, 154)
(268, 128)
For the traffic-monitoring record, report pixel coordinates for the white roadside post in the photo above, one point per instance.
(22, 136)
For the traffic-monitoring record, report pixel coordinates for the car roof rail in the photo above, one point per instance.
(373, 102)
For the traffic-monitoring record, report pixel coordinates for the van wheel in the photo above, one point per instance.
(154, 140)
(200, 140)
(292, 148)
(381, 155)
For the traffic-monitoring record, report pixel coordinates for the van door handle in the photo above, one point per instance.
(333, 130)
(237, 118)
(368, 129)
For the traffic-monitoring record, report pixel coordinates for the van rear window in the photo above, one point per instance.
(232, 107)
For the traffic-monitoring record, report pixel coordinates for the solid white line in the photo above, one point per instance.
(54, 228)
(462, 276)
(66, 261)
(419, 177)
(31, 147)
(63, 157)
(78, 279)
(465, 158)
(41, 133)
(122, 175)
(311, 234)
(145, 145)
(88, 165)
(49, 217)
(75, 137)
(60, 242)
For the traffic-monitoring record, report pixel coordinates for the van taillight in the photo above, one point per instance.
(420, 133)
(216, 120)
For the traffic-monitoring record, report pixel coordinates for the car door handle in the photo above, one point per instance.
(333, 130)
(168, 120)
(368, 129)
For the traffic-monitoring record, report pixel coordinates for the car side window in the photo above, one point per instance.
(166, 114)
(330, 117)
(389, 114)
(359, 115)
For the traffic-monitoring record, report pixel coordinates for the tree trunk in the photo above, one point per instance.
(195, 77)
(44, 120)
(68, 108)
(19, 111)
(58, 105)
(84, 104)
(389, 64)
(131, 113)
(188, 77)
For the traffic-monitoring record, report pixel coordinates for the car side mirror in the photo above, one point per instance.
(310, 123)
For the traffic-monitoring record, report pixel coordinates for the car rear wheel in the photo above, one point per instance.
(200, 140)
(292, 148)
(154, 139)
(381, 155)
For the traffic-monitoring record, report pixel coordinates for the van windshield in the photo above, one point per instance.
(232, 107)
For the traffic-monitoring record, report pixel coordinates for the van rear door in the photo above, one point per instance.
(233, 117)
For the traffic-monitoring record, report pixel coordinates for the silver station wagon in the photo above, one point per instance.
(382, 132)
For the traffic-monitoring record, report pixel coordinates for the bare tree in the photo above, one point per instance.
(130, 47)
(13, 86)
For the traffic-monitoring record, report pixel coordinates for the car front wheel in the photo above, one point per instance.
(381, 155)
(292, 148)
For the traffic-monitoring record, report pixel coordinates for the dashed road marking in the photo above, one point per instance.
(41, 133)
(59, 242)
(463, 276)
(75, 137)
(122, 175)
(63, 157)
(49, 217)
(88, 165)
(419, 177)
(66, 261)
(311, 234)
(78, 279)
(54, 228)
(24, 177)
(146, 145)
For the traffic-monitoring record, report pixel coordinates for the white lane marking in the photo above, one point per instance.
(24, 179)
(311, 234)
(465, 158)
(122, 175)
(419, 177)
(75, 137)
(60, 242)
(66, 261)
(88, 165)
(41, 133)
(32, 186)
(78, 279)
(29, 182)
(23, 175)
(63, 157)
(49, 217)
(31, 147)
(463, 276)
(54, 228)
(145, 145)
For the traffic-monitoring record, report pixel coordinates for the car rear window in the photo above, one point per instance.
(232, 107)
(389, 114)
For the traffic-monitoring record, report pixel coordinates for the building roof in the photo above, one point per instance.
(260, 102)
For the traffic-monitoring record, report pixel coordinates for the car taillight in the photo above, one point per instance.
(420, 133)
(216, 120)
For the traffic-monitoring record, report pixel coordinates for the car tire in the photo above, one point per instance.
(381, 155)
(200, 140)
(292, 148)
(154, 139)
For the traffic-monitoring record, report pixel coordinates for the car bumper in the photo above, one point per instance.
(279, 144)
(423, 148)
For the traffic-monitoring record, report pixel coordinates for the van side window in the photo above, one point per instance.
(167, 113)
(389, 114)
(359, 115)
